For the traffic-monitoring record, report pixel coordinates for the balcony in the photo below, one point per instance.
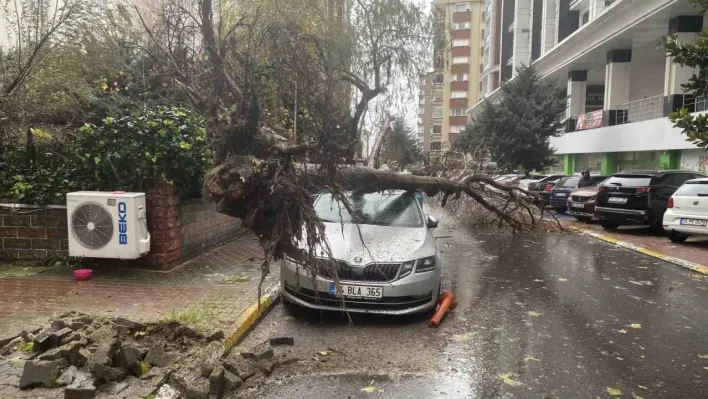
(637, 111)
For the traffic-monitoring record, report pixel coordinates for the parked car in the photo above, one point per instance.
(638, 197)
(687, 212)
(526, 181)
(561, 191)
(543, 187)
(386, 258)
(581, 202)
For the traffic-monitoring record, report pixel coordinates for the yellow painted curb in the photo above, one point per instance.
(251, 315)
(654, 254)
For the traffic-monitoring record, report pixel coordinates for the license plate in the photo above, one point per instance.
(578, 205)
(617, 200)
(560, 195)
(694, 222)
(357, 291)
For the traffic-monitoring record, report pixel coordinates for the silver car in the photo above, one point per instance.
(387, 263)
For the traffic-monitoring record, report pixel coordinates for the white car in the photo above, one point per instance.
(687, 211)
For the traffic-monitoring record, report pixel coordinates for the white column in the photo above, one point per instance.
(596, 8)
(686, 29)
(577, 92)
(522, 34)
(549, 27)
(617, 76)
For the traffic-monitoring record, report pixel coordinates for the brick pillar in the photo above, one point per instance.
(163, 223)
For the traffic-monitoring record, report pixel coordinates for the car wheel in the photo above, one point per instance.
(609, 225)
(583, 219)
(675, 236)
(561, 211)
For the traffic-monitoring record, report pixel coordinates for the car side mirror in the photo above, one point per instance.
(432, 222)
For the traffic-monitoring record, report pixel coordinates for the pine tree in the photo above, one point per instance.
(516, 131)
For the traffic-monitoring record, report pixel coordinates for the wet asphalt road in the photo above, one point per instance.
(545, 316)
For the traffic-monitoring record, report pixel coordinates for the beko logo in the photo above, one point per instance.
(122, 224)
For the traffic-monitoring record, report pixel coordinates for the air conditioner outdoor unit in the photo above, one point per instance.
(107, 224)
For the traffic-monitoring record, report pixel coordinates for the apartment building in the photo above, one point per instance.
(453, 86)
(620, 85)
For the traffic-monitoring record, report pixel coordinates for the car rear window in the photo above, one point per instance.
(693, 189)
(568, 182)
(628, 181)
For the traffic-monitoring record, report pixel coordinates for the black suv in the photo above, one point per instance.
(638, 197)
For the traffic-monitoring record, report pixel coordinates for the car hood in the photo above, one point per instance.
(588, 191)
(380, 243)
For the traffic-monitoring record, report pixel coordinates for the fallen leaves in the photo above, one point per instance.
(622, 331)
(613, 391)
(506, 378)
(562, 280)
(464, 337)
(635, 396)
(234, 279)
(636, 326)
(529, 358)
(533, 313)
(371, 389)
(703, 356)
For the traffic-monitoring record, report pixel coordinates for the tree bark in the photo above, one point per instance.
(376, 149)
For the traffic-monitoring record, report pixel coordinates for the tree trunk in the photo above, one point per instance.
(378, 143)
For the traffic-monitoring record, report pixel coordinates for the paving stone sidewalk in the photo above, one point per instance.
(694, 250)
(223, 281)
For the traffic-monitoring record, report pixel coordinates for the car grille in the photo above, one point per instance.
(390, 303)
(371, 272)
(577, 198)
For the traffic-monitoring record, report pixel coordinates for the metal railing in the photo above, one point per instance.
(640, 110)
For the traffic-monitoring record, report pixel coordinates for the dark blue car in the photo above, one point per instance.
(562, 189)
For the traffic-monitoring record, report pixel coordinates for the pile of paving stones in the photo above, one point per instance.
(87, 356)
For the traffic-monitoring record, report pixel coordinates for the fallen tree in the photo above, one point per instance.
(266, 179)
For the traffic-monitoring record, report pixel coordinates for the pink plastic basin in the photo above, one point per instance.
(82, 274)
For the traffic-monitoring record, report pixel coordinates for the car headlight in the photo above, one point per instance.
(406, 268)
(425, 264)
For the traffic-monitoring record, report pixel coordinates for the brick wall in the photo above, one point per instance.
(32, 234)
(178, 230)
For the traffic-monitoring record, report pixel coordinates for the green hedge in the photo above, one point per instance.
(163, 144)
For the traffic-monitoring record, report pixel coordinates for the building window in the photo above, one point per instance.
(438, 78)
(460, 42)
(462, 7)
(459, 94)
(462, 25)
(437, 129)
(437, 112)
(457, 129)
(460, 60)
(459, 77)
(436, 146)
(457, 112)
(586, 18)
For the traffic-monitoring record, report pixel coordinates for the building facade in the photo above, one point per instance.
(620, 85)
(454, 83)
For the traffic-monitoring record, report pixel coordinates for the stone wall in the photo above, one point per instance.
(178, 230)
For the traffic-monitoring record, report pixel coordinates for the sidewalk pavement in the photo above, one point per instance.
(692, 254)
(210, 291)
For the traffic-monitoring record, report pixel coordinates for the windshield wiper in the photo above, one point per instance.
(702, 195)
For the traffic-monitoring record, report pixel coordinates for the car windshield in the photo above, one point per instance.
(628, 181)
(568, 182)
(693, 189)
(383, 209)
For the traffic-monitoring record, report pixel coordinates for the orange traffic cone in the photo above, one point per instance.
(446, 301)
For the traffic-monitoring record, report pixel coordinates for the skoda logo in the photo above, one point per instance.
(695, 202)
(357, 259)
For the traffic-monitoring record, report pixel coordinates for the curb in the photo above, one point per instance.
(680, 262)
(249, 317)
